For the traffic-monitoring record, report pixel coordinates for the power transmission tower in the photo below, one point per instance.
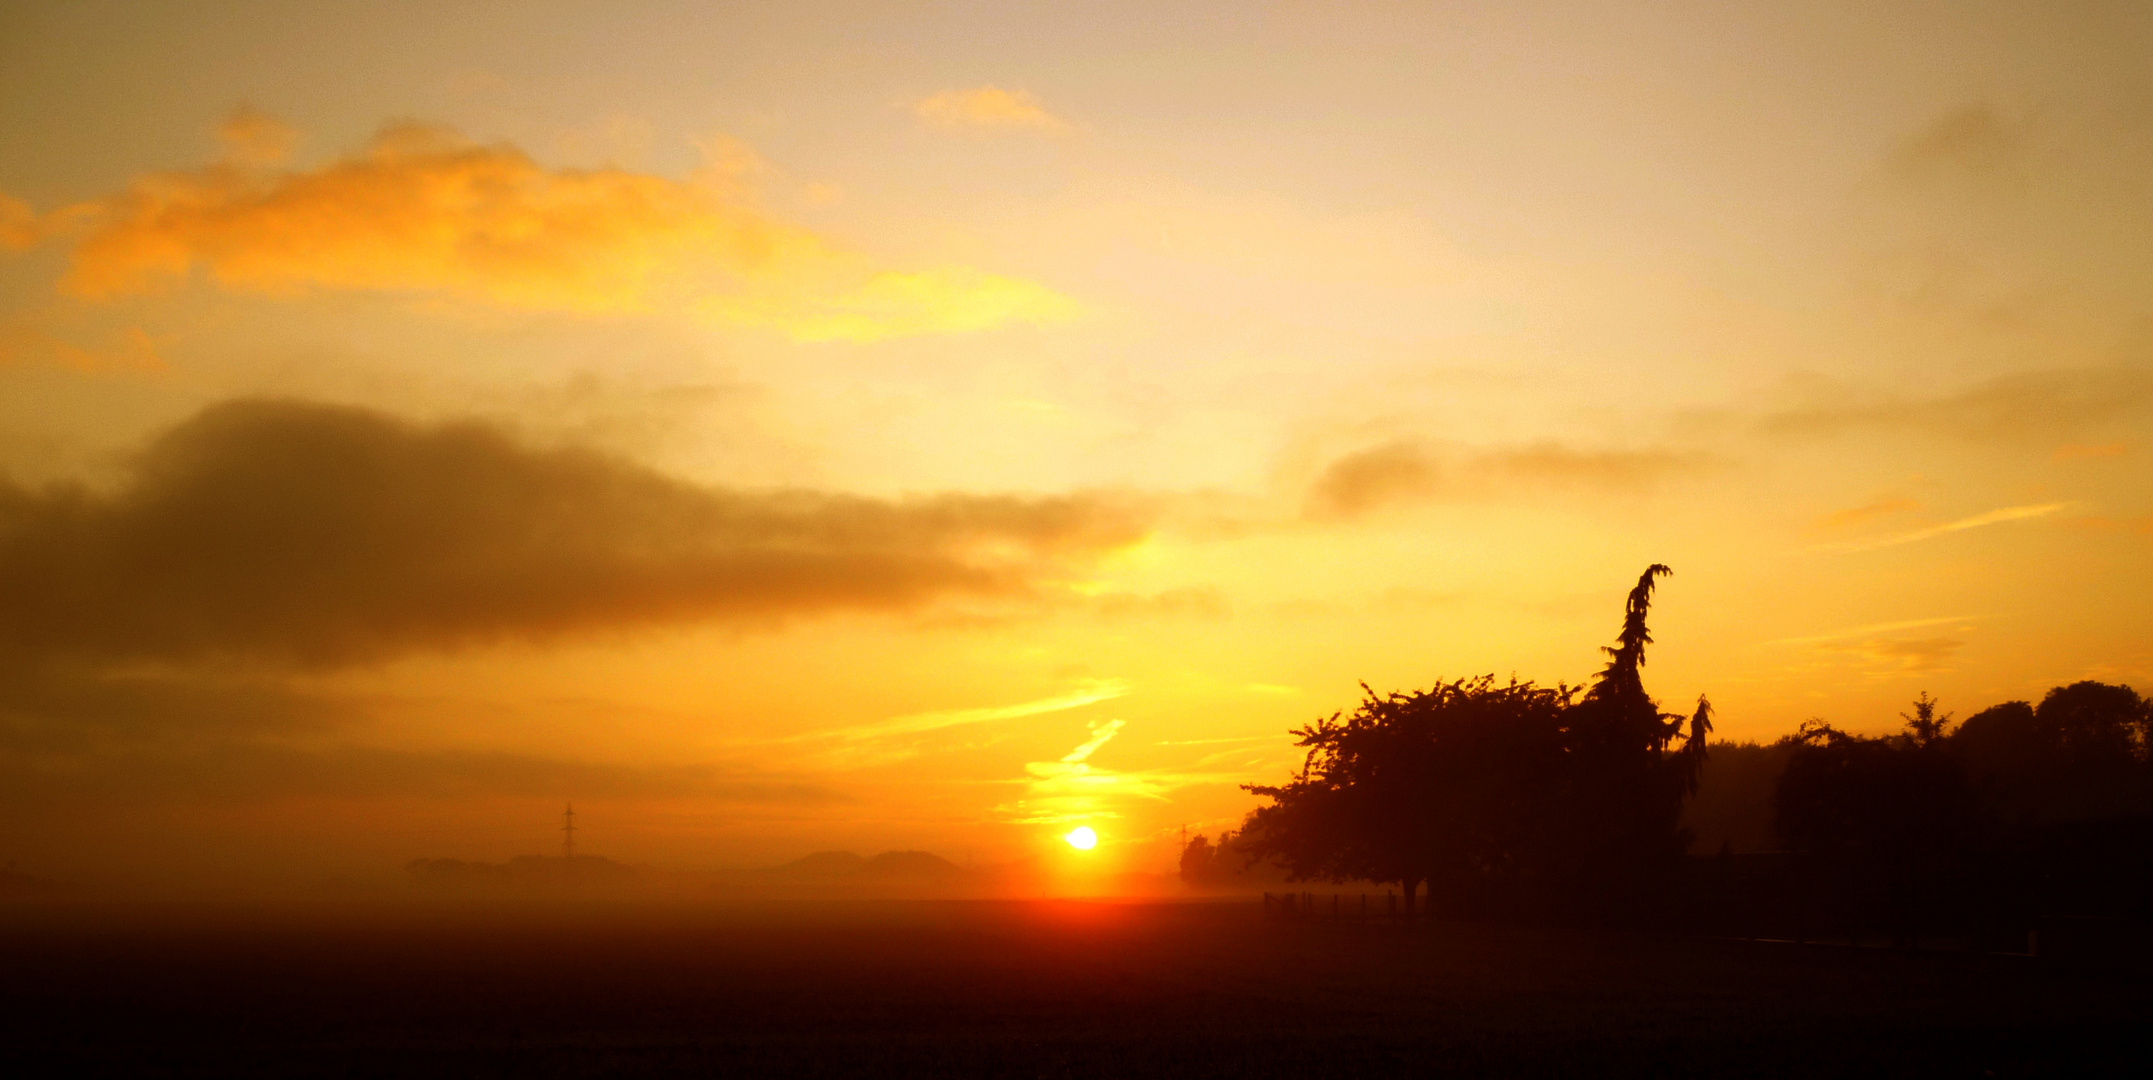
(568, 832)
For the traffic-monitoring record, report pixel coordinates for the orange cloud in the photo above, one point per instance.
(2076, 452)
(1998, 516)
(986, 107)
(2143, 524)
(1855, 515)
(18, 224)
(1907, 654)
(1411, 470)
(422, 210)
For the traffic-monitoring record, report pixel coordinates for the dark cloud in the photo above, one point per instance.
(63, 707)
(1411, 470)
(308, 534)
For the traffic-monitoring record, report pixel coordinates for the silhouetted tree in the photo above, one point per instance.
(1627, 786)
(1895, 800)
(1923, 725)
(1448, 783)
(2080, 754)
(1477, 787)
(1225, 864)
(1196, 859)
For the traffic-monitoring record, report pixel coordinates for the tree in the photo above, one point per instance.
(1197, 859)
(1901, 800)
(1475, 785)
(1627, 782)
(1446, 783)
(1923, 725)
(2080, 754)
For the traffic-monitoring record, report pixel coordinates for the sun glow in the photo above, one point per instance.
(1082, 838)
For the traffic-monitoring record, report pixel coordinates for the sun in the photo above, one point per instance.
(1082, 838)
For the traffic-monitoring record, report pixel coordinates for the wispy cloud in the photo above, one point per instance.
(921, 723)
(1869, 511)
(1072, 788)
(986, 107)
(1871, 630)
(1992, 517)
(1886, 646)
(2063, 403)
(2079, 452)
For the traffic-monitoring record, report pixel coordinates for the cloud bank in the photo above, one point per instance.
(318, 535)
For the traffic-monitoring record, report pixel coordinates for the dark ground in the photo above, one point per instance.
(1012, 989)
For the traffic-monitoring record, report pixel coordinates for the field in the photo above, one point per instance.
(1031, 989)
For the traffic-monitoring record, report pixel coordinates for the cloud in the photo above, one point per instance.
(922, 723)
(306, 534)
(1973, 139)
(1869, 511)
(1986, 518)
(18, 223)
(2143, 524)
(2019, 407)
(1413, 470)
(1915, 654)
(253, 137)
(1070, 789)
(1200, 602)
(988, 107)
(1883, 645)
(227, 771)
(131, 350)
(1871, 629)
(896, 304)
(1899, 654)
(420, 210)
(2078, 452)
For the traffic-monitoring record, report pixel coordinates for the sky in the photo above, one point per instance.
(781, 428)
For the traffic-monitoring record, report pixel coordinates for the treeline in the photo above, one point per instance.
(1587, 803)
(1936, 787)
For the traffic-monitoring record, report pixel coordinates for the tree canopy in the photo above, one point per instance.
(1489, 790)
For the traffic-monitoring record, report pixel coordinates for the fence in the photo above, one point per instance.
(1343, 907)
(1782, 897)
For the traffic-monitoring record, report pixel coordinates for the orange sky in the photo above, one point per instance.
(863, 426)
